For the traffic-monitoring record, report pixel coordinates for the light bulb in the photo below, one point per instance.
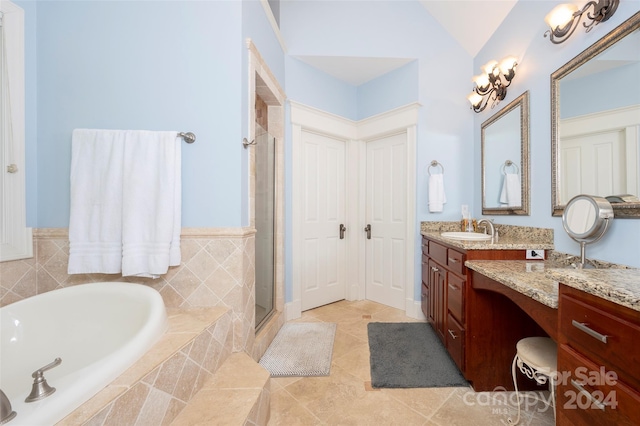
(508, 64)
(475, 99)
(489, 67)
(560, 16)
(482, 81)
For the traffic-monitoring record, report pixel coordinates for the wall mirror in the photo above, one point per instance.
(505, 160)
(595, 122)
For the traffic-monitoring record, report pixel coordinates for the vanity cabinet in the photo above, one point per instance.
(464, 319)
(598, 358)
(444, 284)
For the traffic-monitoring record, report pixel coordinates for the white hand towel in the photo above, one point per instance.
(511, 194)
(437, 196)
(95, 219)
(151, 203)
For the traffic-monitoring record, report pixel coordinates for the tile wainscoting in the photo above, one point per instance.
(217, 269)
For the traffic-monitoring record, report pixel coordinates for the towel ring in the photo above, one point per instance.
(434, 163)
(509, 163)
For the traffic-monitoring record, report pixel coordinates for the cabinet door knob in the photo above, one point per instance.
(452, 260)
(434, 269)
(452, 334)
(453, 287)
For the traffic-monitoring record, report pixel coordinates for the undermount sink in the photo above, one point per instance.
(469, 236)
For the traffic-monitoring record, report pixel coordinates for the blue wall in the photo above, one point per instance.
(166, 65)
(392, 29)
(521, 34)
(611, 85)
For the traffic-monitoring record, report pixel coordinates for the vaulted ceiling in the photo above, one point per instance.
(466, 20)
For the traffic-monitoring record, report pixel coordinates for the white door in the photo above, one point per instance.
(385, 211)
(323, 210)
(594, 164)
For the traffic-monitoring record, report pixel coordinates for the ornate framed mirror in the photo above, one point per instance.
(505, 160)
(595, 136)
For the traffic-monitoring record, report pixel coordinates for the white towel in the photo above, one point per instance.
(511, 193)
(437, 196)
(151, 203)
(125, 202)
(95, 219)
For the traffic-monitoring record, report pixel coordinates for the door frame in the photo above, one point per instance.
(355, 134)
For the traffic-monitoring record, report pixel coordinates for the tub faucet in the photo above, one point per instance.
(41, 388)
(6, 412)
(492, 229)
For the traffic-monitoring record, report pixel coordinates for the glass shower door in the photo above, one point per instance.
(265, 194)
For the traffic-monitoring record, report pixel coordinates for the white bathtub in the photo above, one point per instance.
(99, 330)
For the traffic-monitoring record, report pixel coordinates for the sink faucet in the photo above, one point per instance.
(6, 413)
(487, 223)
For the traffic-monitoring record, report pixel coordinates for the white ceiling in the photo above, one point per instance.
(470, 22)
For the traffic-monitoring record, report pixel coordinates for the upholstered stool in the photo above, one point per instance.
(537, 358)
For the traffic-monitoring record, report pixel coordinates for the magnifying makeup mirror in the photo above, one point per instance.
(586, 219)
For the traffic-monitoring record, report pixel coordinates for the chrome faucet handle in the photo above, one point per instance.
(41, 388)
(6, 412)
(38, 373)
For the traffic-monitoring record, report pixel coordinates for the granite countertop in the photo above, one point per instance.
(510, 237)
(507, 242)
(539, 280)
(621, 286)
(525, 277)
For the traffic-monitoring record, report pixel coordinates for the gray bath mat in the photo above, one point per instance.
(410, 355)
(301, 349)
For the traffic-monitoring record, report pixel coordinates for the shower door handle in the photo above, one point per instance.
(367, 229)
(342, 231)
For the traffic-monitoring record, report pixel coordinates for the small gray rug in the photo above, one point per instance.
(301, 349)
(410, 355)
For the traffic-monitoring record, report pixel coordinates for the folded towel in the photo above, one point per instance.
(437, 196)
(125, 202)
(95, 219)
(151, 203)
(511, 194)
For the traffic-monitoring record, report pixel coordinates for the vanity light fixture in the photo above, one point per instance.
(563, 19)
(492, 84)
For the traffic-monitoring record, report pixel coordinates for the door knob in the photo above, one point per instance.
(342, 231)
(367, 229)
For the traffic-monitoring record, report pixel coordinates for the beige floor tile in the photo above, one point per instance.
(343, 399)
(425, 401)
(285, 410)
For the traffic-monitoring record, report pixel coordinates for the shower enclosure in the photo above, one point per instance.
(265, 196)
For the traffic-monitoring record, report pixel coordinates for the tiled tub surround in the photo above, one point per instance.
(161, 383)
(539, 279)
(217, 269)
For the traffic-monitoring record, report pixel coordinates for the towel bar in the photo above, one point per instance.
(188, 137)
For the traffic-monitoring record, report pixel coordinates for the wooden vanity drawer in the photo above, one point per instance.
(455, 261)
(455, 341)
(455, 292)
(601, 335)
(588, 395)
(438, 252)
(425, 246)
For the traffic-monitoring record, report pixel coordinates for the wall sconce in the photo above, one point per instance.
(563, 19)
(492, 84)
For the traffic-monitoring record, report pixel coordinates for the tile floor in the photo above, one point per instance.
(346, 397)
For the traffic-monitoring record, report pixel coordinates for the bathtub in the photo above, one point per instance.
(98, 330)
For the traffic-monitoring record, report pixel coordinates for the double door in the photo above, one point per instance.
(328, 202)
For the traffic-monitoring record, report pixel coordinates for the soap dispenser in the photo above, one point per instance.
(467, 224)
